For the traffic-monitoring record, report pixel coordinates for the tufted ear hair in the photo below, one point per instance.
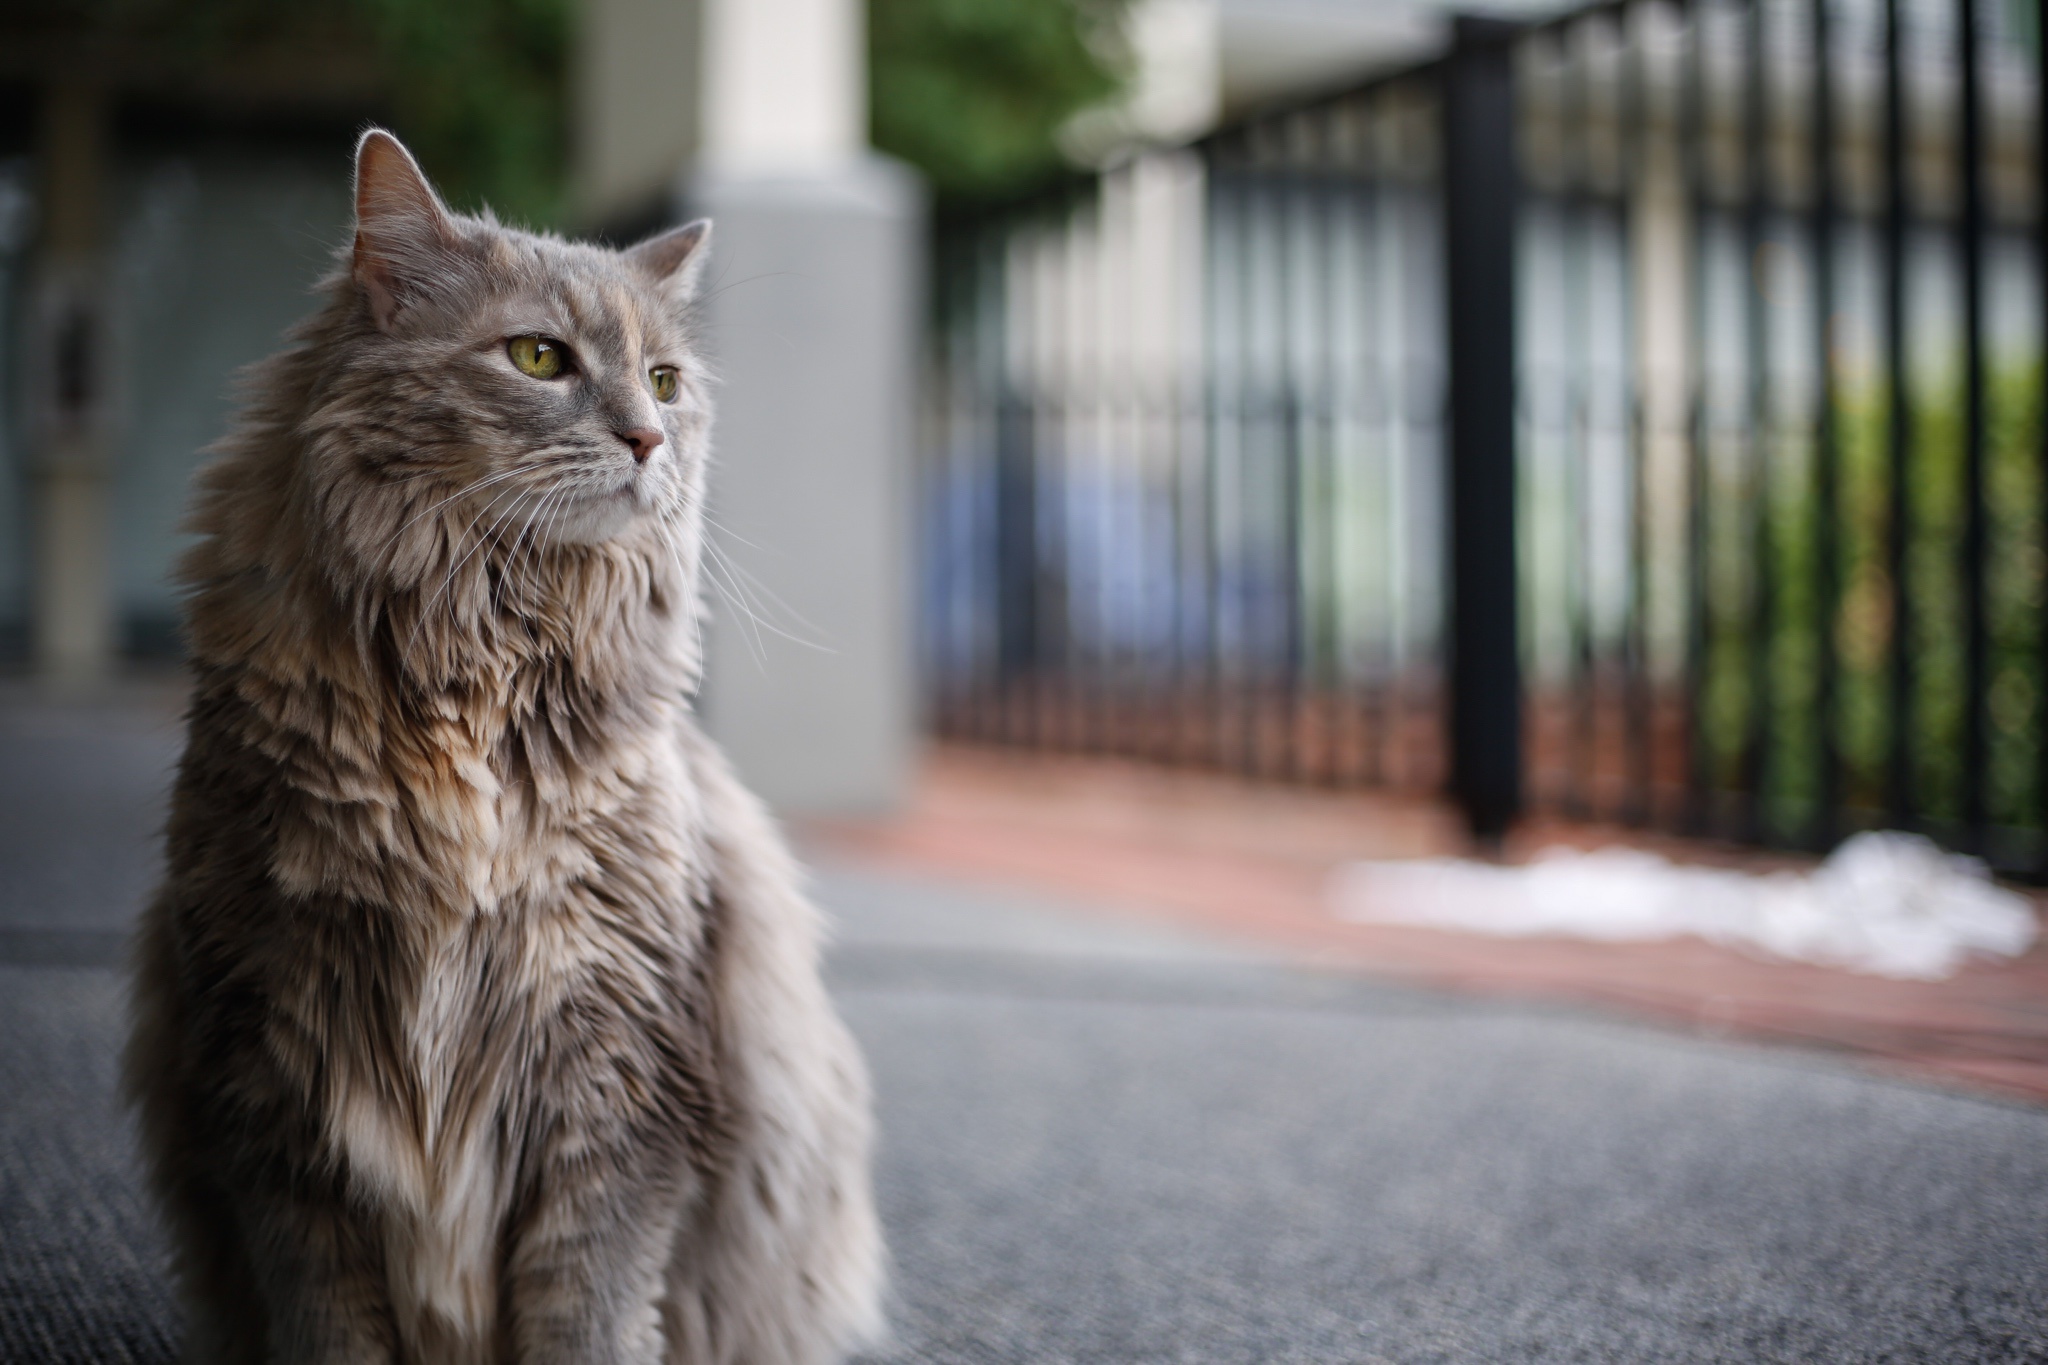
(404, 233)
(675, 258)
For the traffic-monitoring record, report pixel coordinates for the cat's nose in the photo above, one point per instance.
(643, 440)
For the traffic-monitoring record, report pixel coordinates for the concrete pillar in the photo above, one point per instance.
(74, 627)
(813, 305)
(811, 686)
(754, 113)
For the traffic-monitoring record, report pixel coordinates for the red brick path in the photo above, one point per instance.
(1251, 860)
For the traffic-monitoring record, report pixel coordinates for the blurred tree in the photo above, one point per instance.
(477, 88)
(974, 92)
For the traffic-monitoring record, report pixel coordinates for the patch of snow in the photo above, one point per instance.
(1887, 904)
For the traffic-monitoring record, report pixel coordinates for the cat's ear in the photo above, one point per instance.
(674, 259)
(404, 233)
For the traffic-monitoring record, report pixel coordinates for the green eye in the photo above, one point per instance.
(665, 382)
(536, 356)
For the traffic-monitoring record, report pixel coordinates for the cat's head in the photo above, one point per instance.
(497, 383)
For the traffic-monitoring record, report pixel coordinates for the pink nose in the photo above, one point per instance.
(643, 440)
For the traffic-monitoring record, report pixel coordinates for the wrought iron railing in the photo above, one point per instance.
(1480, 427)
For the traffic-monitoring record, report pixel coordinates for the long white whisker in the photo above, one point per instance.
(519, 540)
(670, 535)
(715, 523)
(757, 614)
(742, 580)
(475, 487)
(560, 497)
(739, 605)
(448, 580)
(709, 562)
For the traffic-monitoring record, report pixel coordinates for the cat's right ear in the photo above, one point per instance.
(674, 259)
(403, 231)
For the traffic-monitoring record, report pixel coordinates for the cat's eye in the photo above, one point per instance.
(536, 356)
(665, 382)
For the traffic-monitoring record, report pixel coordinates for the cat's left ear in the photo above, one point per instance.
(404, 233)
(674, 259)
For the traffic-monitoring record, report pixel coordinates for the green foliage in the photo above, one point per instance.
(479, 89)
(973, 92)
(1776, 671)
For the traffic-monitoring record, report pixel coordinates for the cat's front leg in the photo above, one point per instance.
(319, 1275)
(586, 1272)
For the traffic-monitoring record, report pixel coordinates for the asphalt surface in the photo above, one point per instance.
(1106, 1143)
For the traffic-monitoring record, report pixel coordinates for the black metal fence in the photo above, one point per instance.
(1638, 415)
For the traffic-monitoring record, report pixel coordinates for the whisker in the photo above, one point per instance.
(736, 572)
(760, 615)
(668, 533)
(477, 486)
(564, 490)
(738, 603)
(734, 593)
(448, 580)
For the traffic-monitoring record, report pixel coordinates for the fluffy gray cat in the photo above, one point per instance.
(478, 1018)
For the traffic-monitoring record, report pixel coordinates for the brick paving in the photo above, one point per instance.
(1251, 861)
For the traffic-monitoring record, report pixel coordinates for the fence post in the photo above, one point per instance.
(1479, 178)
(1016, 543)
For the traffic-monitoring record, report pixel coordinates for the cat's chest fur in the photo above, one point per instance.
(541, 888)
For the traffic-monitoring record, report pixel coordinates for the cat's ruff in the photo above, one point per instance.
(478, 1018)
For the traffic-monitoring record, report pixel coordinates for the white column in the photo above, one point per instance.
(812, 310)
(785, 85)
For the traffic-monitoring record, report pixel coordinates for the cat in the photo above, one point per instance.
(478, 1017)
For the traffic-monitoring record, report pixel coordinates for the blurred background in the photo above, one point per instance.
(1209, 496)
(1097, 376)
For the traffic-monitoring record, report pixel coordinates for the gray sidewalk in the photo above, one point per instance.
(1110, 1144)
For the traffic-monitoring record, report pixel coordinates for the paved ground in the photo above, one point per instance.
(1111, 1143)
(1254, 861)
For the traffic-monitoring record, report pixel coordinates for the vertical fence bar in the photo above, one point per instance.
(1638, 764)
(1049, 712)
(1292, 762)
(1016, 479)
(1976, 537)
(1091, 380)
(1250, 428)
(1329, 711)
(1215, 195)
(1065, 452)
(1291, 571)
(1240, 678)
(1479, 186)
(2041, 410)
(1578, 216)
(1181, 428)
(1901, 809)
(1756, 169)
(1826, 452)
(1123, 537)
(1692, 134)
(1375, 402)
